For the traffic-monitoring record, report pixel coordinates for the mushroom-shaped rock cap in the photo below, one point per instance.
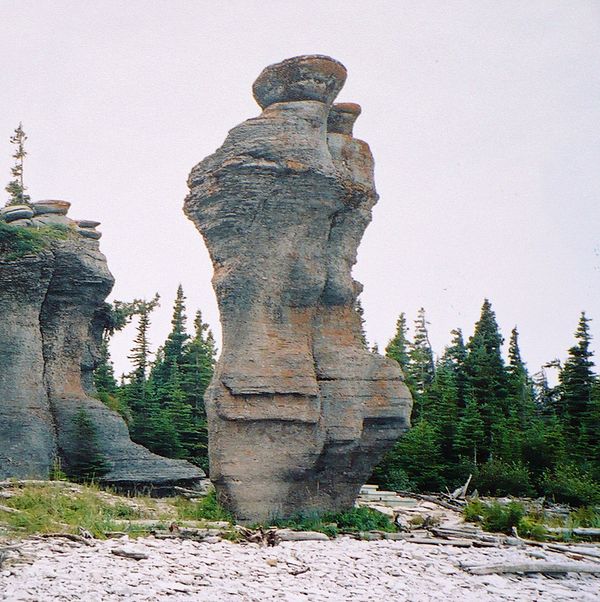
(51, 206)
(342, 117)
(308, 77)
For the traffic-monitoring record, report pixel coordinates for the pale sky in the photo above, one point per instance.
(483, 117)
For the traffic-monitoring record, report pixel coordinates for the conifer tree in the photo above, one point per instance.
(198, 364)
(440, 408)
(520, 386)
(16, 188)
(420, 367)
(137, 393)
(576, 383)
(140, 354)
(486, 373)
(454, 358)
(104, 373)
(361, 312)
(470, 433)
(397, 348)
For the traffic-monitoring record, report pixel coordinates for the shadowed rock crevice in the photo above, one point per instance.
(52, 305)
(299, 412)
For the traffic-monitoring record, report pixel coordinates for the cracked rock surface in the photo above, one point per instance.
(53, 313)
(299, 411)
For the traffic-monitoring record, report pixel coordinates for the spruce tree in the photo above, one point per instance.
(470, 433)
(576, 383)
(136, 393)
(361, 312)
(486, 373)
(397, 348)
(140, 354)
(454, 358)
(16, 188)
(440, 408)
(104, 373)
(520, 386)
(198, 364)
(421, 366)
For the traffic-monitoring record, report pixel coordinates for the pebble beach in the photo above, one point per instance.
(59, 570)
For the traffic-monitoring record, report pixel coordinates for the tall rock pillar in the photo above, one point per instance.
(299, 411)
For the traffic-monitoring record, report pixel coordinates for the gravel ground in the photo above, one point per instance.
(343, 569)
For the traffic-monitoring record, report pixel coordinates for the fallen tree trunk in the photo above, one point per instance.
(579, 531)
(450, 505)
(534, 567)
(69, 536)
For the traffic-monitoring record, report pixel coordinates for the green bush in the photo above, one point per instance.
(497, 478)
(17, 241)
(208, 508)
(569, 484)
(495, 517)
(331, 523)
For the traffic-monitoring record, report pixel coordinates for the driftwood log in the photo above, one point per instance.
(534, 567)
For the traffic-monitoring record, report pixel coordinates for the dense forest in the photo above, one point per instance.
(161, 400)
(474, 413)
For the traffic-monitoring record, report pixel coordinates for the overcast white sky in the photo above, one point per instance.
(483, 117)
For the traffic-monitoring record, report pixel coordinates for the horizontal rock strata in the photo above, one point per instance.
(53, 315)
(299, 411)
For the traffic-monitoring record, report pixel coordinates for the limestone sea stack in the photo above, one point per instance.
(52, 303)
(299, 412)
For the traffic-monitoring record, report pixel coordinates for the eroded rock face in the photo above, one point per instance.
(299, 412)
(53, 313)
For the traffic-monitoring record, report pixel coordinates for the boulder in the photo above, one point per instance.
(299, 411)
(53, 315)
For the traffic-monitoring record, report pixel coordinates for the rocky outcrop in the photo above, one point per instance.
(299, 411)
(53, 315)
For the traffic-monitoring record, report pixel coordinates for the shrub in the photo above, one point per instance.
(497, 477)
(571, 485)
(495, 517)
(350, 521)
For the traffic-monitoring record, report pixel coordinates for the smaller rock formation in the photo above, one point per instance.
(299, 412)
(53, 315)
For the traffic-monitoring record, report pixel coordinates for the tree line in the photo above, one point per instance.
(476, 414)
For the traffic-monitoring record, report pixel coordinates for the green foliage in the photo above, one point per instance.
(495, 517)
(417, 454)
(571, 484)
(500, 478)
(586, 516)
(397, 348)
(208, 508)
(86, 463)
(354, 520)
(50, 508)
(18, 241)
(514, 433)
